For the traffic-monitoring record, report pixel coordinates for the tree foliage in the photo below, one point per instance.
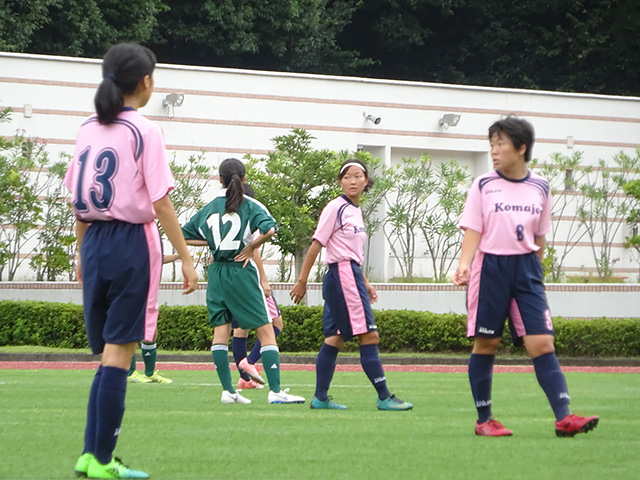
(295, 182)
(84, 28)
(565, 45)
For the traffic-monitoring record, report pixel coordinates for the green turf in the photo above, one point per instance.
(182, 431)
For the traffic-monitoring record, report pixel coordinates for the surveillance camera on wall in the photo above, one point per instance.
(372, 118)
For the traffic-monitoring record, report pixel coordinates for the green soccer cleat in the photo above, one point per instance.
(82, 465)
(329, 404)
(114, 469)
(157, 378)
(137, 377)
(393, 403)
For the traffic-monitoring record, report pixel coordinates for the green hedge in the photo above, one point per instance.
(187, 328)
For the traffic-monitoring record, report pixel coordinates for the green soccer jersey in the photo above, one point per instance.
(228, 233)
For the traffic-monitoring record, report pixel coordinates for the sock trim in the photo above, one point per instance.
(269, 348)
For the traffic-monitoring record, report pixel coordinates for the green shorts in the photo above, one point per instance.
(233, 291)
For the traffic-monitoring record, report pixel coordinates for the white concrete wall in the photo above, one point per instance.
(230, 112)
(571, 301)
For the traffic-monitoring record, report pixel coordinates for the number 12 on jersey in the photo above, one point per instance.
(228, 242)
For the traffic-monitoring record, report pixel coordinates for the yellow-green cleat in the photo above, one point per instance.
(157, 378)
(114, 469)
(137, 377)
(82, 465)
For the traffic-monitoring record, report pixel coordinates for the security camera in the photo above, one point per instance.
(372, 118)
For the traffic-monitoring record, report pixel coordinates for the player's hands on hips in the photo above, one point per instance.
(298, 291)
(245, 255)
(461, 277)
(190, 278)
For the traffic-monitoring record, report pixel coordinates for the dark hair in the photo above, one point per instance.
(519, 131)
(342, 172)
(232, 172)
(123, 67)
(248, 190)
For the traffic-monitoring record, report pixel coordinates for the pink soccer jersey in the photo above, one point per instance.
(508, 213)
(118, 170)
(341, 231)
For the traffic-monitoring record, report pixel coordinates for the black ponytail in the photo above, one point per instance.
(232, 172)
(123, 67)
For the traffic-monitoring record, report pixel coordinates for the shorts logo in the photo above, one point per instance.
(486, 330)
(547, 319)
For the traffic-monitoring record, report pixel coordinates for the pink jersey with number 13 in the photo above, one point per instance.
(118, 170)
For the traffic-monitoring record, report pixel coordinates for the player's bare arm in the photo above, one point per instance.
(196, 243)
(167, 218)
(541, 242)
(373, 295)
(470, 243)
(257, 258)
(299, 290)
(81, 228)
(247, 252)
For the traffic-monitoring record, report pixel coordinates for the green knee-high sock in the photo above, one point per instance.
(220, 354)
(271, 365)
(149, 353)
(132, 368)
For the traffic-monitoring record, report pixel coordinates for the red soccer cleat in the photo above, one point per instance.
(492, 428)
(571, 425)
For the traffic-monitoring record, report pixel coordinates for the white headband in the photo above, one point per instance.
(352, 164)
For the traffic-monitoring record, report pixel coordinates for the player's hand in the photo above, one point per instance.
(373, 295)
(245, 255)
(266, 287)
(190, 278)
(298, 292)
(461, 277)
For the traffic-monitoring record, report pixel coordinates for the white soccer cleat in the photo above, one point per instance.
(228, 397)
(283, 397)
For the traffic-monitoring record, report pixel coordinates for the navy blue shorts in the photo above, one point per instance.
(347, 306)
(507, 286)
(121, 268)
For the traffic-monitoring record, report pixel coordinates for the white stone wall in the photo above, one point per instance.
(570, 301)
(229, 112)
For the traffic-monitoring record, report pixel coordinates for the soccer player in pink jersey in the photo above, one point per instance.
(120, 182)
(506, 216)
(346, 291)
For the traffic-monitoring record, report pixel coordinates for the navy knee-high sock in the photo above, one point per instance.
(372, 366)
(553, 382)
(255, 354)
(239, 349)
(480, 378)
(90, 429)
(325, 368)
(110, 410)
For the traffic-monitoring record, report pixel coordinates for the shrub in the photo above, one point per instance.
(187, 328)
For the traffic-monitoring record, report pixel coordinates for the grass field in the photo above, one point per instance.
(182, 431)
